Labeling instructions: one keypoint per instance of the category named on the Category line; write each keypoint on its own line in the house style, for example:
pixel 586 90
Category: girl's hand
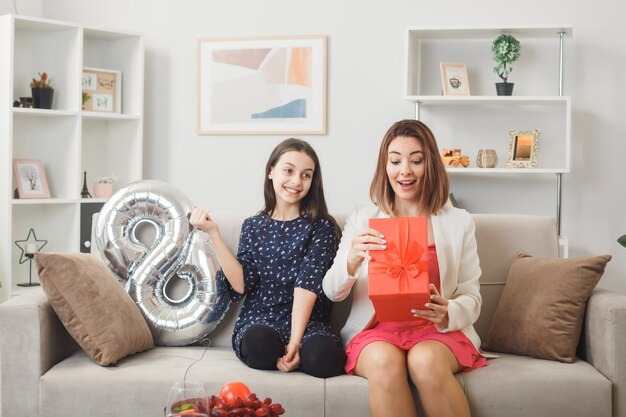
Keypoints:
pixel 291 360
pixel 437 309
pixel 201 219
pixel 362 242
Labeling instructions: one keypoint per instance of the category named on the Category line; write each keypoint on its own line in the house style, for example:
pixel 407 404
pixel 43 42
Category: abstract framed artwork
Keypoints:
pixel 262 85
pixel 454 80
pixel 30 177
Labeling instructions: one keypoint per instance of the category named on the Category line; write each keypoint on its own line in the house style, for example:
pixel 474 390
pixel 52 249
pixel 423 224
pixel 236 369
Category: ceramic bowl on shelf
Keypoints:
pixel 487 158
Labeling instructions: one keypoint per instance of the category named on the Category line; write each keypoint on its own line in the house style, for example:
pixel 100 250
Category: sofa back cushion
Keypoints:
pixel 500 238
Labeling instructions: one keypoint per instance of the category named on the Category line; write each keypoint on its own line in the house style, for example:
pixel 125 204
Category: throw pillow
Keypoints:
pixel 542 307
pixel 93 306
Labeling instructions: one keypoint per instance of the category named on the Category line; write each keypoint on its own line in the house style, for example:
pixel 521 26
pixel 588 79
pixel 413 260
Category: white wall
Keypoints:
pixel 22 7
pixel 365 89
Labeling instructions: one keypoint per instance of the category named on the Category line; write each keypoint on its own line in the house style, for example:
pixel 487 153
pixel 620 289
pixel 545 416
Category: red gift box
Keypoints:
pixel 398 276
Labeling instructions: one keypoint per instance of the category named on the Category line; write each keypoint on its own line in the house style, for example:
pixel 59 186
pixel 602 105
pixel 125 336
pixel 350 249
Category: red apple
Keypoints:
pixel 229 392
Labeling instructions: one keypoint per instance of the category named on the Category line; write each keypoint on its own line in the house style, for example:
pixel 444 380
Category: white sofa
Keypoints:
pixel 43 373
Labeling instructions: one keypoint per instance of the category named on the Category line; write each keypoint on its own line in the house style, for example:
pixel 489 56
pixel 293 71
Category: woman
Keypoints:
pixel 410 180
pixel 284 252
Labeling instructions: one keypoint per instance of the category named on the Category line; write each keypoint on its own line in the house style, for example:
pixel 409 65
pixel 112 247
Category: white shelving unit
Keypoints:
pixel 66 139
pixel 483 119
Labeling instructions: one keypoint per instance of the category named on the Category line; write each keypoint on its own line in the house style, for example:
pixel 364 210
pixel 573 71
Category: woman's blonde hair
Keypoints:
pixel 434 185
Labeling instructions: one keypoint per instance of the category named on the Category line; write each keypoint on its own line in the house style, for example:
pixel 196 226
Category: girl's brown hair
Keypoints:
pixel 313 205
pixel 434 186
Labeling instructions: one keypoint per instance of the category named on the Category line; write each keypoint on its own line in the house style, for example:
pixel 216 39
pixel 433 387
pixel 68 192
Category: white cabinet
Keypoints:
pixel 65 139
pixel 483 120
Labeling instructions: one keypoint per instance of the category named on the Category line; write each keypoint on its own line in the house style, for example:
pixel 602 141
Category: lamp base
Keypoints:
pixel 29 284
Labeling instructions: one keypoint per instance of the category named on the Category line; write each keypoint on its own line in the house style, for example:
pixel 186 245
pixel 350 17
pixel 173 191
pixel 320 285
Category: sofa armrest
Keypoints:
pixel 604 341
pixel 33 340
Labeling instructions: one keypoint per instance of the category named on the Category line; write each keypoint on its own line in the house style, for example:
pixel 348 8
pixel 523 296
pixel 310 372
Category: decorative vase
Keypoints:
pixel 487 158
pixel 42 97
pixel 102 190
pixel 504 89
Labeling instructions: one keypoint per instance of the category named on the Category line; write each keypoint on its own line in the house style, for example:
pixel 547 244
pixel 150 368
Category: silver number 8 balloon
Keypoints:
pixel 150 270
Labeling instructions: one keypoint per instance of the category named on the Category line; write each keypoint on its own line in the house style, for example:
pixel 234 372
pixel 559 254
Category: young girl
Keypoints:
pixel 284 252
pixel 410 180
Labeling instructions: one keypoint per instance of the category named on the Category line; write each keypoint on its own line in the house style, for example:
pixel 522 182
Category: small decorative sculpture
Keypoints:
pixel 453 158
pixel 85 191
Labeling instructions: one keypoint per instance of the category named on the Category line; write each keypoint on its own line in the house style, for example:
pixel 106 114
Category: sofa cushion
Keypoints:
pixel 139 385
pixel 93 306
pixel 542 306
pixel 508 386
pixel 517 386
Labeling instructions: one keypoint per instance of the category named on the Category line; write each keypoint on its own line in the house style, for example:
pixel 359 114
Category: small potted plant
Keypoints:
pixel 42 92
pixel 86 98
pixel 622 240
pixel 103 187
pixel 506 50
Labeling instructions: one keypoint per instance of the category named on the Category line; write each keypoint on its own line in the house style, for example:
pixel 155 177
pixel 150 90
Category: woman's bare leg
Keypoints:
pixel 385 367
pixel 432 367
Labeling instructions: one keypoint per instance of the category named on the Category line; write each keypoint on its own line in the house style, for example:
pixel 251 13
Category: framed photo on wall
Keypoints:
pixel 30 178
pixel 523 147
pixel 102 90
pixel 454 81
pixel 262 85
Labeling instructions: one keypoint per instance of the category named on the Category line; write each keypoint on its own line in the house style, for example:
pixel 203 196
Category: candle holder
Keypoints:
pixel 29 247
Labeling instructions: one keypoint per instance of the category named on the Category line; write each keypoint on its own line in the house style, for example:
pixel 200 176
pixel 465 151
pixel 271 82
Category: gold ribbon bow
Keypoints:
pixel 402 262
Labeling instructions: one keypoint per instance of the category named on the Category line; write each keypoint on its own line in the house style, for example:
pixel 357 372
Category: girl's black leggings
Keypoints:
pixel 320 356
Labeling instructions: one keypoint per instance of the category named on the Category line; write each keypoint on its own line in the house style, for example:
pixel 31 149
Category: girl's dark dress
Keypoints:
pixel 276 257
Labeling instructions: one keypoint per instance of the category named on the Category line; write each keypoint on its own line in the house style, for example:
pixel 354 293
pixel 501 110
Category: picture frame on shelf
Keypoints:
pixel 454 80
pixel 262 85
pixel 30 177
pixel 101 90
pixel 523 148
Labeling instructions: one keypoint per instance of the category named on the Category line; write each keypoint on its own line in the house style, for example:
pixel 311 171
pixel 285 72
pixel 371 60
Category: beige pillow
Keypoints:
pixel 93 306
pixel 541 310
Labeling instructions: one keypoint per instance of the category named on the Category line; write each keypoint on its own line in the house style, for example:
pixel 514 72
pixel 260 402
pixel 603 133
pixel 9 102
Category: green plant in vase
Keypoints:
pixel 107 179
pixel 86 98
pixel 622 240
pixel 42 92
pixel 506 50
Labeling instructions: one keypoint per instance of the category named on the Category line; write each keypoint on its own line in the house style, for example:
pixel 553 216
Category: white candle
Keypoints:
pixel 30 248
